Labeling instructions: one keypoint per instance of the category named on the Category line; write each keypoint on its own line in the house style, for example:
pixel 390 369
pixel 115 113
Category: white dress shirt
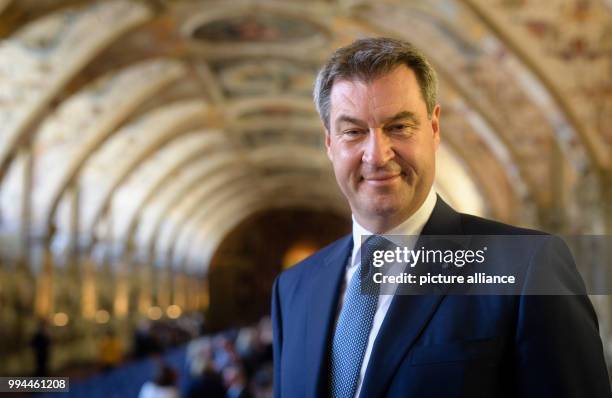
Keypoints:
pixel 412 226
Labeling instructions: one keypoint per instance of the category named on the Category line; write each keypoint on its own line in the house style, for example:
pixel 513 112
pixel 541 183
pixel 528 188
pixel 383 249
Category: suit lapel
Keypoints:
pixel 321 316
pixel 407 315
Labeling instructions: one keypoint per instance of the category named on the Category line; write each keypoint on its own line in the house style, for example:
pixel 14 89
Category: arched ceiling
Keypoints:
pixel 172 121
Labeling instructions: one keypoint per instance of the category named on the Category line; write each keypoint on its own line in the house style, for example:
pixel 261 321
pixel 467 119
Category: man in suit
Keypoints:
pixel 377 101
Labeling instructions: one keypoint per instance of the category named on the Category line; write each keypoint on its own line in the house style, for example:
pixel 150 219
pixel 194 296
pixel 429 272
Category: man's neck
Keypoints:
pixel 392 224
pixel 383 225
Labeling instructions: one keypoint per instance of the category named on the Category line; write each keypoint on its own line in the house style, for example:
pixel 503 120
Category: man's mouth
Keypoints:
pixel 382 179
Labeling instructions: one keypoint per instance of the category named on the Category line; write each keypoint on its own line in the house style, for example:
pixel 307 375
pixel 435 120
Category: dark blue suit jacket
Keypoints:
pixel 442 345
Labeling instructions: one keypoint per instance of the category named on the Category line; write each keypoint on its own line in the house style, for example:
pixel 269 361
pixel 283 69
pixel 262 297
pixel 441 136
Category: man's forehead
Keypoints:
pixel 388 92
pixel 400 73
pixel 349 104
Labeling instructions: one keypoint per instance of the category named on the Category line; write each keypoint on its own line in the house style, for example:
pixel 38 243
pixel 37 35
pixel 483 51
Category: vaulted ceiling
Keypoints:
pixel 158 126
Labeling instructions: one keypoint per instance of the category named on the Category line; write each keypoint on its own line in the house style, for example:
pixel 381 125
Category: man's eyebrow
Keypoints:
pixel 348 119
pixel 402 116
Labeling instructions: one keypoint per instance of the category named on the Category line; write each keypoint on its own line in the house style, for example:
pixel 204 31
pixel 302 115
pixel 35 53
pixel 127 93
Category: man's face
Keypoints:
pixel 382 146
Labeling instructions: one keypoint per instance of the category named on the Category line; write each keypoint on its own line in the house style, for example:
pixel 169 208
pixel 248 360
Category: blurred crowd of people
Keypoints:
pixel 235 363
pixel 154 337
pixel 232 364
pixel 149 338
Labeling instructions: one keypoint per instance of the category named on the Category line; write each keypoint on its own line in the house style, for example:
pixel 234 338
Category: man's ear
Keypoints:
pixel 328 144
pixel 435 125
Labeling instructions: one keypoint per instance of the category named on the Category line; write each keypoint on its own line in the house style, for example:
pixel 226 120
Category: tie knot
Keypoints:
pixel 371 246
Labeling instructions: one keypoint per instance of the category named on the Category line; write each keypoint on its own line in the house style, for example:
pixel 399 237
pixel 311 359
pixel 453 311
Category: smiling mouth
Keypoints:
pixel 382 179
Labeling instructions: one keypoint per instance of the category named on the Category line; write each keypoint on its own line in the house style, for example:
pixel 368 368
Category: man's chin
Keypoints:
pixel 385 210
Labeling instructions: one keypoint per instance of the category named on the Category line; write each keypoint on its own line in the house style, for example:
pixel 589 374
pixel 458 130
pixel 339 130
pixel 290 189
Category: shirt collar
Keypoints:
pixel 413 225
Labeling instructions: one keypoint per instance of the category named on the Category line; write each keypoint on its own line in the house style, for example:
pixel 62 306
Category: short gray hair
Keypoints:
pixel 368 59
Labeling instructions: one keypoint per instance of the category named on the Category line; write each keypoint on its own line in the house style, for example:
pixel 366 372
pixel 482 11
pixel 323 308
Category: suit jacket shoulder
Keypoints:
pixel 482 226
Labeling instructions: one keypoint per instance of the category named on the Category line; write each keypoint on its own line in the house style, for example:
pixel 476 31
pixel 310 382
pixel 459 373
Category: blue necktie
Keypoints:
pixel 354 323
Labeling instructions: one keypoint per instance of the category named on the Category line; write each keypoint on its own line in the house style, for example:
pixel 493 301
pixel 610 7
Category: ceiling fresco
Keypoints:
pixel 256 27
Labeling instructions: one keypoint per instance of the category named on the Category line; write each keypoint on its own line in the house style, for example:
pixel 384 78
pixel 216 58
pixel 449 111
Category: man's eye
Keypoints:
pixel 398 127
pixel 352 133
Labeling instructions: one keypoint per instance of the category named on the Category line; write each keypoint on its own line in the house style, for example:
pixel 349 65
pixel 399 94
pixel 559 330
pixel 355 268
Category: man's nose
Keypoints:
pixel 378 148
